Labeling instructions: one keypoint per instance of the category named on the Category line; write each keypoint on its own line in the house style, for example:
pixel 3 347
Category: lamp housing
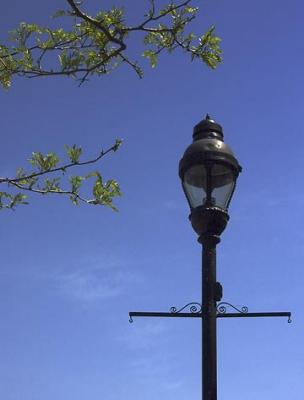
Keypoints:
pixel 208 171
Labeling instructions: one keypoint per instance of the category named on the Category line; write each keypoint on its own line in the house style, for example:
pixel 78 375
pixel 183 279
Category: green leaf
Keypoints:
pixel 74 200
pixel 10 201
pixel 76 182
pixel 59 13
pixel 44 163
pixel 74 153
pixel 51 185
pixel 105 192
pixel 151 56
pixel 118 143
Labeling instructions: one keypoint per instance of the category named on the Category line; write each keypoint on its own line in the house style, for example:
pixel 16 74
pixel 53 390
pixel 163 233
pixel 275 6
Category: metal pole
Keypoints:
pixel 209 362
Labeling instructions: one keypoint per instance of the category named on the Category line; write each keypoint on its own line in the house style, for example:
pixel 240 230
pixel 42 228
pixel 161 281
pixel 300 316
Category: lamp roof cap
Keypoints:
pixel 208 129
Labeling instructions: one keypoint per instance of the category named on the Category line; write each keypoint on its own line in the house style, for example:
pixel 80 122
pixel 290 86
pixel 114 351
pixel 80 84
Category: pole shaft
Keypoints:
pixel 209 362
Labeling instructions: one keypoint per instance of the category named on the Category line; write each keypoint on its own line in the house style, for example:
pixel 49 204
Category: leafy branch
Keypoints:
pixel 39 180
pixel 92 45
pixel 98 44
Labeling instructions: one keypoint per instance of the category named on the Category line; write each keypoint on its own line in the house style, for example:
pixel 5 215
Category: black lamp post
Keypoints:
pixel 208 171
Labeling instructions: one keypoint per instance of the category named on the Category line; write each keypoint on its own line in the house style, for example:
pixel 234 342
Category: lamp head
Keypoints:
pixel 208 171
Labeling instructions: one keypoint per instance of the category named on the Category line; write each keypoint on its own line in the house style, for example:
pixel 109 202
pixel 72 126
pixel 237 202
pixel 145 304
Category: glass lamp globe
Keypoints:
pixel 209 185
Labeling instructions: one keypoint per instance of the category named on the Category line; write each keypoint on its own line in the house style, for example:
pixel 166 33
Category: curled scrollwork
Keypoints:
pixel 222 308
pixel 193 308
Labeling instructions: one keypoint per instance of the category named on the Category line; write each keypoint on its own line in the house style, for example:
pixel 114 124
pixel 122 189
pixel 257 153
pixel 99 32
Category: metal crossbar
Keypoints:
pixel 201 314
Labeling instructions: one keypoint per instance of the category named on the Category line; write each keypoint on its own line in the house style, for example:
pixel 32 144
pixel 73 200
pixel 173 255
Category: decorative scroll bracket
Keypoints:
pixel 195 308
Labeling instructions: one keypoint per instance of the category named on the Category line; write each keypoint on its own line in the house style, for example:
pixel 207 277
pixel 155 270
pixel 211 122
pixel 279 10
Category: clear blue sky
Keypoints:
pixel 69 276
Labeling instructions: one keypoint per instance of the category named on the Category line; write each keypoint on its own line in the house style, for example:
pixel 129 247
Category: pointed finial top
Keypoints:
pixel 207 128
pixel 208 118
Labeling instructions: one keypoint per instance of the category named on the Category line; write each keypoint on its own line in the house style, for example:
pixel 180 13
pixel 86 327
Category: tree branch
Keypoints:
pixel 96 23
pixel 156 18
pixel 103 191
pixel 13 181
pixel 53 191
pixel 95 45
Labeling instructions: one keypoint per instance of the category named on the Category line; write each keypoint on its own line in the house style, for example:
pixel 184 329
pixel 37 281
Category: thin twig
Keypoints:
pixel 132 64
pixel 44 192
pixel 153 18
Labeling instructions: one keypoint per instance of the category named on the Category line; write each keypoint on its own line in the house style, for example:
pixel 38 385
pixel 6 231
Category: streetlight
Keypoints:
pixel 208 171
